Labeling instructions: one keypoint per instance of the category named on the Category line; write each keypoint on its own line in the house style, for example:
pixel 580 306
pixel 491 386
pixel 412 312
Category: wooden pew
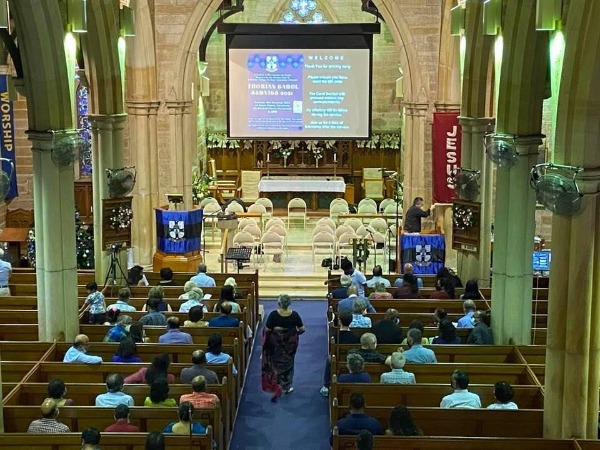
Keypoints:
pixel 539 320
pixel 78 418
pixel 445 443
pixel 21 275
pixel 515 374
pixel 109 441
pixel 493 354
pixel 427 394
pixel 15 371
pixel 85 393
pixel 20 302
pixel 23 351
pixel 524 423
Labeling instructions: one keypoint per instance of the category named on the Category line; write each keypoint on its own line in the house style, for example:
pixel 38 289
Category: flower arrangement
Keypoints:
pixel 120 218
pixel 200 184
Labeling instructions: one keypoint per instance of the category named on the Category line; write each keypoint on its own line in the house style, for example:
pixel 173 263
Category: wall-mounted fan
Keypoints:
pixel 6 177
pixel 466 183
pixel 556 188
pixel 120 181
pixel 501 150
pixel 66 150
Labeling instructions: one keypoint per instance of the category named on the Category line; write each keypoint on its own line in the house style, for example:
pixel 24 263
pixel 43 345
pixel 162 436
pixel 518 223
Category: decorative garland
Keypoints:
pixel 463 217
pixel 120 218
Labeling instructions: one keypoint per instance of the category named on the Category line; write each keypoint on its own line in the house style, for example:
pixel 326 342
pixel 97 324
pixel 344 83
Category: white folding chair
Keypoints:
pixel 206 200
pixel 268 204
pixel 337 209
pixel 385 202
pixel 234 207
pixel 343 229
pixel 367 201
pixel 243 223
pixel 322 229
pixel 323 245
pixel 245 239
pixel 297 210
pixel 210 212
pixel 345 244
pixel 274 221
pixel 327 221
pixel 272 248
pixel 258 209
pixel 354 222
pixel 379 224
pixel 280 230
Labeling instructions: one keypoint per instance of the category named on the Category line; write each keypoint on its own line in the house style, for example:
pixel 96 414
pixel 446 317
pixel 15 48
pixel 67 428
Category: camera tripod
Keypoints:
pixel 111 273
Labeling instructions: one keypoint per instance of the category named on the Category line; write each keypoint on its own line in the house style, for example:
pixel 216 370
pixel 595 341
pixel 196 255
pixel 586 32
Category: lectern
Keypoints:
pixel 178 240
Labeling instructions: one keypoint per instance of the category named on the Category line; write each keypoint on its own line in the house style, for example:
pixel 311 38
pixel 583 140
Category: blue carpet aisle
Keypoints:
pixel 300 419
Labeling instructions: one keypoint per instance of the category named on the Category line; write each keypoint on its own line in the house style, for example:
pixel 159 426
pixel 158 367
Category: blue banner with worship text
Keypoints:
pixel 426 252
pixel 7 141
pixel 178 231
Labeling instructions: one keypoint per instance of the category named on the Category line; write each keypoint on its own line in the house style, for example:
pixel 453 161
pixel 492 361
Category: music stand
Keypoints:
pixel 239 255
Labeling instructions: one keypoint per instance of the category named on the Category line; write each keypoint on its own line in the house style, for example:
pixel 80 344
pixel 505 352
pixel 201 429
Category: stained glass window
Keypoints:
pixel 303 12
pixel 85 129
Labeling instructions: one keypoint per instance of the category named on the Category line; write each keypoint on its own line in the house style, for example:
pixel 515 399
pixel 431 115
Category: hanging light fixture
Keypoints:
pixel 4 16
pixel 127 18
pixel 492 17
pixel 457 20
pixel 547 14
pixel 77 16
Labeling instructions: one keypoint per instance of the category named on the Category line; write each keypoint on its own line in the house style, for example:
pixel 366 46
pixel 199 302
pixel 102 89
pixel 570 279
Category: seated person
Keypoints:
pixel 158 369
pixel 78 352
pixel 417 353
pixel 115 395
pixel 461 398
pixel 438 315
pixel 186 424
pixel 348 303
pixel 187 287
pixel 90 438
pixel 419 326
pixel 154 317
pixel 122 303
pixel 408 268
pixel 345 334
pixel 341 291
pixel 126 352
pixel 120 330
pixel 194 298
pixel 447 334
pixel 368 344
pixel 378 278
pixel 158 292
pixel 504 395
pixel 224 319
pixel 357 420
pixel 472 291
pixel 388 330
pixel 155 441
pixel 380 293
pixel 231 282
pixel 227 295
pixel 482 333
pixel 364 440
pixel 356 368
pixel 137 333
pixel 466 321
pixel 136 277
pixel 202 279
pixel 359 320
pixel 198 368
pixel 195 316
pixel 409 288
pixel 174 335
pixel 214 352
pixel 402 424
pixel 122 424
pixel 443 290
pixel 48 422
pixel 159 394
pixel 166 277
pixel 199 397
pixel 397 375
pixel 57 391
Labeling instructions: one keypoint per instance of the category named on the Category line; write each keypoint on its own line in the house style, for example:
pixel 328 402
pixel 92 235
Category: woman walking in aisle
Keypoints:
pixel 280 342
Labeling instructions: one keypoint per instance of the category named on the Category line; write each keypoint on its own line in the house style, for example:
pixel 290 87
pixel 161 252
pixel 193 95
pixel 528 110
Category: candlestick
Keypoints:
pixel 268 157
pixel 335 157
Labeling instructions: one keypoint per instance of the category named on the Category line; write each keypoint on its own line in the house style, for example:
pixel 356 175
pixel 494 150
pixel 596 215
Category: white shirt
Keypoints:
pixel 5 270
pixel 461 399
pixel 509 405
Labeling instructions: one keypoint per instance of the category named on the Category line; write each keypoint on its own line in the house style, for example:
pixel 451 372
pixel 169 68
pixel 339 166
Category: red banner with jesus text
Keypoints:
pixel 447 135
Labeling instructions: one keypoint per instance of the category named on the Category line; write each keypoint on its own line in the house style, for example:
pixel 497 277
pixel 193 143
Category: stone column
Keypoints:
pixel 56 262
pixel 477 265
pixel 414 152
pixel 107 153
pixel 181 126
pixel 144 155
pixel 513 246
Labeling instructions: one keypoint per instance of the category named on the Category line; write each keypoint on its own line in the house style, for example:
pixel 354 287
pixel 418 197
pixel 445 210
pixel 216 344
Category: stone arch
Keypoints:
pixel 41 42
pixel 102 60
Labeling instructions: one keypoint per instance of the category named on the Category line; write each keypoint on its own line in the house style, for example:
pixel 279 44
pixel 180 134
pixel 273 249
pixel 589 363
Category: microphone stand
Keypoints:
pixel 374 248
pixel 397 188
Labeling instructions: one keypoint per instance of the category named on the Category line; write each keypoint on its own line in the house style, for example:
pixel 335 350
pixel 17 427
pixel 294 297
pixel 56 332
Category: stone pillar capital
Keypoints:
pixel 416 108
pixel 44 140
pixel 447 106
pixel 528 145
pixel 179 107
pixel 475 125
pixel 143 108
pixel 108 122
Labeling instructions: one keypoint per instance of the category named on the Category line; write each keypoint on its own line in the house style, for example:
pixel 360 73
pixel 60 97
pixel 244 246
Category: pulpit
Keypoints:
pixel 178 240
pixel 426 252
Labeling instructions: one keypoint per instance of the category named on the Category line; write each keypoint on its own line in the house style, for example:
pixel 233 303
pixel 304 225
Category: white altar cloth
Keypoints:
pixel 301 184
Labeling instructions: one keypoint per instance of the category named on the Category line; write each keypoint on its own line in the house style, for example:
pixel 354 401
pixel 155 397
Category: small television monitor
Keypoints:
pixel 541 261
